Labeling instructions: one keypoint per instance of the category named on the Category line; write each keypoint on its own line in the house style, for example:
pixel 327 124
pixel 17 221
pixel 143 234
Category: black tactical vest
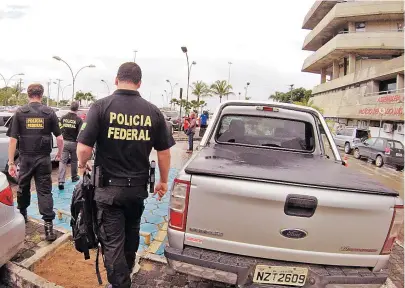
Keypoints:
pixel 35 130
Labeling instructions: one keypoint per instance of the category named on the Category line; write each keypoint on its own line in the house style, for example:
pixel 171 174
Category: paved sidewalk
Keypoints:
pixel 34 240
pixel 396 266
pixel 154 218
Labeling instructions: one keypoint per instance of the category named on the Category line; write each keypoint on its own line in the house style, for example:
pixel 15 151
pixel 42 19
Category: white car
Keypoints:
pixel 12 225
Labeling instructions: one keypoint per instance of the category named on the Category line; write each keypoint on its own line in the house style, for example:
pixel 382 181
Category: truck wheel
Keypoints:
pixel 400 168
pixel 347 148
pixel 10 178
pixel 357 153
pixel 379 162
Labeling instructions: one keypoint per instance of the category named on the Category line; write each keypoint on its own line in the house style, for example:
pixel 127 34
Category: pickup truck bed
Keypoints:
pixel 269 165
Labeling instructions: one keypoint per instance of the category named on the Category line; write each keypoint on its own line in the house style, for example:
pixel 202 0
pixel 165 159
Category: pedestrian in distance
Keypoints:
pixel 191 131
pixel 70 125
pixel 124 127
pixel 33 125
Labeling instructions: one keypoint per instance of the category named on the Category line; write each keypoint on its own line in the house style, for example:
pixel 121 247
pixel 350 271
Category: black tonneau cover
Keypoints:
pixel 270 165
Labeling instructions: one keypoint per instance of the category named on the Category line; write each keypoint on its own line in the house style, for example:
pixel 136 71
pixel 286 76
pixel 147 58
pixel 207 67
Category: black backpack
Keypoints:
pixel 83 220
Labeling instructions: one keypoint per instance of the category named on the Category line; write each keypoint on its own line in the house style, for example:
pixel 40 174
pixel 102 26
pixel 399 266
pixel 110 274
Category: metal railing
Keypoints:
pixel 379 31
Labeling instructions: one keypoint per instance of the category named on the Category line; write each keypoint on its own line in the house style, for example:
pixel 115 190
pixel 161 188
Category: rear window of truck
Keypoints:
pixel 266 132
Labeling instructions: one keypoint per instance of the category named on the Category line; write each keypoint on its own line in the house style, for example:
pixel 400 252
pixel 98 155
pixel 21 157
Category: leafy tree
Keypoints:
pixel 308 102
pixel 296 95
pixel 221 88
pixel 63 103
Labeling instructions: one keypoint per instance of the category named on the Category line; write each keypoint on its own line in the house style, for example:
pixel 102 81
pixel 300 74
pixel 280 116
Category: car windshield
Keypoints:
pixel 360 134
pixel 266 132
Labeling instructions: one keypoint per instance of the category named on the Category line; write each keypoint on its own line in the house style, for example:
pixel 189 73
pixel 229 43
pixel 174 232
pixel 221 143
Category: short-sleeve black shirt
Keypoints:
pixel 70 125
pixel 125 127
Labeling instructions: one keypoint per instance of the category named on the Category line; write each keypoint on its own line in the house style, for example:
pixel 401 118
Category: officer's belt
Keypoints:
pixel 125 182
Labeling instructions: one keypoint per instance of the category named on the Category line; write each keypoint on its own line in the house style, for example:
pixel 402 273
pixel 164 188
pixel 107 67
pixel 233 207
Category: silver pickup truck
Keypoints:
pixel 266 202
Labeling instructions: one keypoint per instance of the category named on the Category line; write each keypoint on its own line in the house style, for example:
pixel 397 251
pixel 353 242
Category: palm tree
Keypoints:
pixel 174 102
pixel 200 89
pixel 308 102
pixel 221 88
pixel 89 97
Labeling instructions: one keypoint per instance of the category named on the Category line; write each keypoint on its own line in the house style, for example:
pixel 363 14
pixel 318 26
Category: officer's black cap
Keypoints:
pixel 35 90
pixel 129 72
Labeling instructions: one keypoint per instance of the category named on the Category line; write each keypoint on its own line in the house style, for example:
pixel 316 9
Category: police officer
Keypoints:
pixel 70 125
pixel 32 125
pixel 125 127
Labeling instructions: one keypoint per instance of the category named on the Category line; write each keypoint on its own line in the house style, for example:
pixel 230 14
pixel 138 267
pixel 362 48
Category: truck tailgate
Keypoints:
pixel 297 223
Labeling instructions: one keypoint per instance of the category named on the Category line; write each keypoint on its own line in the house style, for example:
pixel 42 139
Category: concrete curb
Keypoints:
pixel 45 251
pixel 154 258
pixel 17 276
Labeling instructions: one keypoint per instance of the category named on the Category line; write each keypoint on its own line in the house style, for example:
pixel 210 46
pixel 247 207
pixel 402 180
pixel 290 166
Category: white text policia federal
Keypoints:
pixel 131 134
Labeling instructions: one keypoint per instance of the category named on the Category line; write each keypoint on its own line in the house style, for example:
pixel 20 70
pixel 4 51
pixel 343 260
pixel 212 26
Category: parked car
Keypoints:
pixel 263 203
pixel 4 140
pixel 349 137
pixel 12 225
pixel 173 117
pixel 381 151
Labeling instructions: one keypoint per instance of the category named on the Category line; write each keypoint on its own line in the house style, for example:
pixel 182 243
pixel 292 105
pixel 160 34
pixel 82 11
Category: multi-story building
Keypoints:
pixel 359 53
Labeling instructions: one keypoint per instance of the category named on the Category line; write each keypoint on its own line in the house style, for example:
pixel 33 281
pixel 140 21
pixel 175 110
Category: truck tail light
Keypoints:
pixel 387 150
pixel 6 196
pixel 396 223
pixel 179 204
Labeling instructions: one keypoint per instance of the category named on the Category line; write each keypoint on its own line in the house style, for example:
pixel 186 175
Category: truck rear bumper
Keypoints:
pixel 236 269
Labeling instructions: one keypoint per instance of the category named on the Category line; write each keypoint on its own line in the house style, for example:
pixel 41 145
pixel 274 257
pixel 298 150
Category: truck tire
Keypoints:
pixel 347 148
pixel 356 153
pixel 400 168
pixel 379 162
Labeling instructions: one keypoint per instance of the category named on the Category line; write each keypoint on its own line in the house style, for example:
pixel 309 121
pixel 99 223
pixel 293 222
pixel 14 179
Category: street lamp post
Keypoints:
pixel 291 89
pixel 63 90
pixel 108 88
pixel 71 71
pixel 229 76
pixel 246 89
pixel 135 55
pixel 184 49
pixel 58 83
pixel 8 81
pixel 171 87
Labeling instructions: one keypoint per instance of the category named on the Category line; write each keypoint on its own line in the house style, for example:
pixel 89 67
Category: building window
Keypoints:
pixel 360 26
pixel 388 86
pixel 374 123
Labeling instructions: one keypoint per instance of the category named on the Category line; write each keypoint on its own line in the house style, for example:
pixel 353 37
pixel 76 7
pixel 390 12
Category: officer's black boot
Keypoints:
pixel 49 235
pixel 75 179
pixel 61 186
pixel 24 214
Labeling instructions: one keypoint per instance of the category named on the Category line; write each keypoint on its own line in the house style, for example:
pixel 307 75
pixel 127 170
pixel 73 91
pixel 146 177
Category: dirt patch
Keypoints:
pixel 67 267
pixel 34 240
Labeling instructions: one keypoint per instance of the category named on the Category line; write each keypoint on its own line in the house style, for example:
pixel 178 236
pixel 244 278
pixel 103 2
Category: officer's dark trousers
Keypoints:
pixel 39 167
pixel 119 224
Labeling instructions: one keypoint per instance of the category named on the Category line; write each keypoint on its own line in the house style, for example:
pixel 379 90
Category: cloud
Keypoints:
pixel 14 11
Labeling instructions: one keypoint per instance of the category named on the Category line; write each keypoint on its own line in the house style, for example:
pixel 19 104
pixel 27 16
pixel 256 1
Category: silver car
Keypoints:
pixel 349 137
pixel 12 226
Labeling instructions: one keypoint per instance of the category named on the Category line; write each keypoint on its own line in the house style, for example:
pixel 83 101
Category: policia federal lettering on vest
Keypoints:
pixel 125 127
pixel 32 126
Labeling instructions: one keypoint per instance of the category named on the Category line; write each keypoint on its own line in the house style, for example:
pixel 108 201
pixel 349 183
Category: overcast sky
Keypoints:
pixel 262 39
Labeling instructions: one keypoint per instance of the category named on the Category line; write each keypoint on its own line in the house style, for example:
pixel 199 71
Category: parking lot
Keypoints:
pixel 155 274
